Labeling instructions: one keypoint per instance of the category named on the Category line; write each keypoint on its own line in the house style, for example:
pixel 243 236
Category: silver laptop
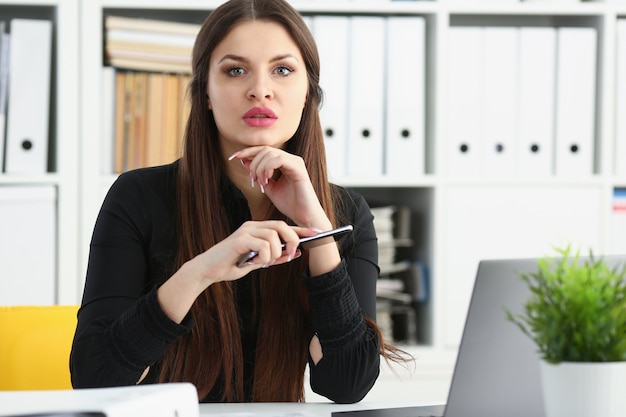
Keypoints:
pixel 497 368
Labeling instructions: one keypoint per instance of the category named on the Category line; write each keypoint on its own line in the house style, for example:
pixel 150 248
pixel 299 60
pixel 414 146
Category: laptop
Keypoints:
pixel 497 368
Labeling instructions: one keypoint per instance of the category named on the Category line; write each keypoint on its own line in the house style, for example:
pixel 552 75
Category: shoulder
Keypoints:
pixel 143 190
pixel 157 181
pixel 350 204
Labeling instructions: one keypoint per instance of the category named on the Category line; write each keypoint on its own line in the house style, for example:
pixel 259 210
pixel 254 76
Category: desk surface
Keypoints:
pixel 313 409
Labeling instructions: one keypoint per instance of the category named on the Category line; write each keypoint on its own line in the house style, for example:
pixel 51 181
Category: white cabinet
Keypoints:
pixel 54 226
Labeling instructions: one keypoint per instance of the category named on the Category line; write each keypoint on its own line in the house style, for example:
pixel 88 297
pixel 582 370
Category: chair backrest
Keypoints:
pixel 35 344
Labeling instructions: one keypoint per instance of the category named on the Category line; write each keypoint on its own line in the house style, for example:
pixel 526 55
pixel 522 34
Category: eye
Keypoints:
pixel 235 71
pixel 283 70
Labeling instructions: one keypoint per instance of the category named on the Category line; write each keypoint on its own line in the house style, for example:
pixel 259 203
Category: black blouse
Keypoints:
pixel 122 329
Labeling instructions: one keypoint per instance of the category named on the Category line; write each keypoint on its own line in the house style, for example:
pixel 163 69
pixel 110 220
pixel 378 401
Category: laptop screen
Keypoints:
pixel 497 369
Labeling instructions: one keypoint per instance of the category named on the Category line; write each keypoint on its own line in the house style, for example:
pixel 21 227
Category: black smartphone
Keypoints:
pixel 306 242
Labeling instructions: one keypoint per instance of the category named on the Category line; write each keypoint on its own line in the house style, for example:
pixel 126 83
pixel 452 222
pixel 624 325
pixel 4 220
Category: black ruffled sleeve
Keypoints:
pixel 121 326
pixel 340 300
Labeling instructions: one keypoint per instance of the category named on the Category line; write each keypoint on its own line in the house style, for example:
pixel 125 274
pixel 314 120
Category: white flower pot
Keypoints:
pixel 577 389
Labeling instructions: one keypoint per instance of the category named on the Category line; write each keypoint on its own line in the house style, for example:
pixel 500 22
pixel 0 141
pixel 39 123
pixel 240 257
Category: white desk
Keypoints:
pixel 316 409
pixel 426 382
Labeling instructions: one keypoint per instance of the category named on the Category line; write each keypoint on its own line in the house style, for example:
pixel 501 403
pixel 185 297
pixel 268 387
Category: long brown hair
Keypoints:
pixel 212 351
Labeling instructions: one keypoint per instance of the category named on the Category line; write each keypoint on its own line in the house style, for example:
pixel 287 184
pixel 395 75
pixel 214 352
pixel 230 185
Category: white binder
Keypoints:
pixel 29 96
pixel 537 55
pixel 500 75
pixel 332 37
pixel 27 245
pixel 464 101
pixel 620 100
pixel 405 97
pixel 4 76
pixel 366 96
pixel 575 100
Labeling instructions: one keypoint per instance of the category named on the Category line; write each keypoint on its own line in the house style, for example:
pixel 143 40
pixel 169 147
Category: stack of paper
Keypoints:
pixel 149 45
pixel 392 224
pixel 383 223
pixel 157 400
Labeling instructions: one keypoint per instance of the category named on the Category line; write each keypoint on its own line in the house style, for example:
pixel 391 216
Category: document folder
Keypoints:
pixel 332 37
pixel 405 104
pixel 537 57
pixel 620 99
pixel 575 107
pixel 500 74
pixel 464 100
pixel 29 96
pixel 366 95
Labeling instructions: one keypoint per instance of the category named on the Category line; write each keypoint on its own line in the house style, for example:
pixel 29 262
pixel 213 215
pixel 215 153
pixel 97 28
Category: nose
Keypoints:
pixel 260 88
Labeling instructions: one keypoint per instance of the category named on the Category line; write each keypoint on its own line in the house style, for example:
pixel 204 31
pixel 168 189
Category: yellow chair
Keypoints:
pixel 35 343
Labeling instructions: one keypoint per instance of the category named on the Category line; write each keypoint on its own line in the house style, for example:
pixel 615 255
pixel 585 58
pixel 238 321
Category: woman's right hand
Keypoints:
pixel 219 263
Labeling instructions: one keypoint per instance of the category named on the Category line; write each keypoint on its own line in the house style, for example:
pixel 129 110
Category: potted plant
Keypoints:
pixel 576 316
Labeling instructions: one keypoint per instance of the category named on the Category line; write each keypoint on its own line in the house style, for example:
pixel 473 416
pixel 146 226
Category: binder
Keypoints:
pixel 28 244
pixel 500 75
pixel 405 97
pixel 332 37
pixel 620 100
pixel 29 96
pixel 575 100
pixel 464 101
pixel 4 77
pixel 366 96
pixel 537 56
pixel 154 131
pixel 108 76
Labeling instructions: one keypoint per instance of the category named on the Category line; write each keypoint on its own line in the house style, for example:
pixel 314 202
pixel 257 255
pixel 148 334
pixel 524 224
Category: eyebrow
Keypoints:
pixel 242 59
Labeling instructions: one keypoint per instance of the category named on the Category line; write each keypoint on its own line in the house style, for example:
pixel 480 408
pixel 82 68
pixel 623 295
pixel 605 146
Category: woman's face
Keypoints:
pixel 257 86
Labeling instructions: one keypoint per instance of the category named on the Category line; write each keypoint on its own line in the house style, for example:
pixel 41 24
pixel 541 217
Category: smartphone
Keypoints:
pixel 306 242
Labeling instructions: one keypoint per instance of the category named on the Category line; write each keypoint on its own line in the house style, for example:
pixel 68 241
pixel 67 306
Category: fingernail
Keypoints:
pixel 262 188
pixel 294 255
pixel 251 180
pixel 233 156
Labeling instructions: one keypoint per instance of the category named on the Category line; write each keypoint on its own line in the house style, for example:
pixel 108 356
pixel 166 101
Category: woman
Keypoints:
pixel 164 299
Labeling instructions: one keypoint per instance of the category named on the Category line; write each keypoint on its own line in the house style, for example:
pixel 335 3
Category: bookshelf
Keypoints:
pixel 456 219
pixel 61 173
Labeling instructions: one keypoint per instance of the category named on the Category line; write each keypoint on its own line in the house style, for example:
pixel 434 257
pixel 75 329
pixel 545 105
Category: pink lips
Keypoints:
pixel 259 117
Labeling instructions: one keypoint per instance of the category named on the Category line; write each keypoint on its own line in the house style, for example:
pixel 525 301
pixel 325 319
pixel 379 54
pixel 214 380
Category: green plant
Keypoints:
pixel 577 309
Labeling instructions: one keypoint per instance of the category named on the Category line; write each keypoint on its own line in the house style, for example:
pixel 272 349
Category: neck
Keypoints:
pixel 257 201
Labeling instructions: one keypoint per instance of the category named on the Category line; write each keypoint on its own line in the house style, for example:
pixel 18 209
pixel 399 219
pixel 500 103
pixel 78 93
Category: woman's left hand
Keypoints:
pixel 291 192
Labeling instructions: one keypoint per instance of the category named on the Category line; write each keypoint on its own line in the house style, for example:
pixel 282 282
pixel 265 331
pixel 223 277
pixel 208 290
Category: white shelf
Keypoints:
pixel 64 14
pixel 82 184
